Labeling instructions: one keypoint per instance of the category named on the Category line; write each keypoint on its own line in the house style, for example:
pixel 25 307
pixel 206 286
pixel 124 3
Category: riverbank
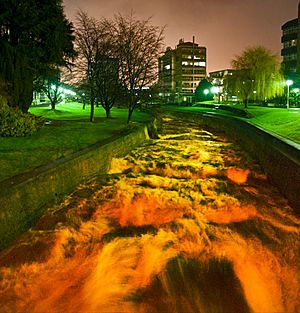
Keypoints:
pixel 67 130
pixel 280 121
pixel 25 197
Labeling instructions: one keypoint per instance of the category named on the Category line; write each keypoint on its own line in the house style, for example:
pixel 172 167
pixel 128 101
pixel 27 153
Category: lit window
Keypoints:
pixel 199 63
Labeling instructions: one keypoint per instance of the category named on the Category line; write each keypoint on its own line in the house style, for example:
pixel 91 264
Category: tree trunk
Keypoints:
pixel 27 95
pixel 131 107
pixel 52 105
pixel 130 111
pixel 107 112
pixel 92 105
pixel 92 111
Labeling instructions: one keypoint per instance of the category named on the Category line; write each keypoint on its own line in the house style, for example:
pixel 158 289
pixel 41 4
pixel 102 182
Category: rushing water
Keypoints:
pixel 186 223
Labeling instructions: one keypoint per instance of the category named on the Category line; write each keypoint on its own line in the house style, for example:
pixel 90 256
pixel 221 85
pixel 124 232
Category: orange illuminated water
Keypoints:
pixel 186 223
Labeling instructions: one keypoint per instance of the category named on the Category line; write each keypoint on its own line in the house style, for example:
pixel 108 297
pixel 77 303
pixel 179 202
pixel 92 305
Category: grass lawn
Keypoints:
pixel 68 132
pixel 281 121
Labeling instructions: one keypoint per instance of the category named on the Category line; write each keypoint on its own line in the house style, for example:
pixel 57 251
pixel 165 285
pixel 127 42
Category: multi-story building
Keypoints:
pixel 222 81
pixel 180 71
pixel 290 51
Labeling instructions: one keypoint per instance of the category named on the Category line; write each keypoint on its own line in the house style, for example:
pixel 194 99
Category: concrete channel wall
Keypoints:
pixel 24 198
pixel 279 157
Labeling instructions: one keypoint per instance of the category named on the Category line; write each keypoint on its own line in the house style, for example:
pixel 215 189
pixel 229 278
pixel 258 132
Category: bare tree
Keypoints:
pixel 108 85
pixel 96 68
pixel 139 45
pixel 89 38
pixel 107 82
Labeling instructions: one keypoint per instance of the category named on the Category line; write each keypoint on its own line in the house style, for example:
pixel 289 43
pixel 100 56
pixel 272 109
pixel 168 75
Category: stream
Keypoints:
pixel 185 223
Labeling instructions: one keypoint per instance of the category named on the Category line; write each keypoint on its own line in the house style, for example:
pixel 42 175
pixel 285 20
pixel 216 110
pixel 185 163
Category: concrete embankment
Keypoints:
pixel 24 198
pixel 279 157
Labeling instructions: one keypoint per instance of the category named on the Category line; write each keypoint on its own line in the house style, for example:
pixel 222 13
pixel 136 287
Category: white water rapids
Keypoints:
pixel 186 223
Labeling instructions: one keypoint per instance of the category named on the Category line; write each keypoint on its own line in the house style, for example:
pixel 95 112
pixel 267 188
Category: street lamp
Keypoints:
pixel 288 83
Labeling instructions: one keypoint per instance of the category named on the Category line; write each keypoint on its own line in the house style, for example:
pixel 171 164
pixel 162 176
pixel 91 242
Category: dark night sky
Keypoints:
pixel 225 27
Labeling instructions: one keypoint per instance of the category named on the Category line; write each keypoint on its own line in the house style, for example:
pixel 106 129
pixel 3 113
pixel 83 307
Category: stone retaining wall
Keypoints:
pixel 25 197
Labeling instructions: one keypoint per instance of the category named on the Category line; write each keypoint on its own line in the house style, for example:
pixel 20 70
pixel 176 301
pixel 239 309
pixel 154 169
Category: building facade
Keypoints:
pixel 180 71
pixel 223 82
pixel 290 51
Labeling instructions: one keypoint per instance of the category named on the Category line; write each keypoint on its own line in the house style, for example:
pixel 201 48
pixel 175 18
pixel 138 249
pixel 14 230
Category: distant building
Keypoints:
pixel 222 80
pixel 180 71
pixel 290 51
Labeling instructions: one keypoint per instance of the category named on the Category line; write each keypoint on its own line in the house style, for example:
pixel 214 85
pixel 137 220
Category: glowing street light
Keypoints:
pixel 206 91
pixel 215 89
pixel 288 83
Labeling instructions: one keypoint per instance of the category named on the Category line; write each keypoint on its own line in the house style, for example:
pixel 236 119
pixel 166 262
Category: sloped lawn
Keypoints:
pixel 68 130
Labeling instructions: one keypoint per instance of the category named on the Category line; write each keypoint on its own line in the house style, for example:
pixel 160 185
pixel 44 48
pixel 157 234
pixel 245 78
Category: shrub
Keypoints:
pixel 14 123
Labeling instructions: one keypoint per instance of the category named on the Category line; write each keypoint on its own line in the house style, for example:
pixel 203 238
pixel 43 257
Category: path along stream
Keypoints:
pixel 186 223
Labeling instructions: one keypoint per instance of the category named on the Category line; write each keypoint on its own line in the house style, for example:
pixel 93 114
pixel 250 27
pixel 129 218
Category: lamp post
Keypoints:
pixel 288 83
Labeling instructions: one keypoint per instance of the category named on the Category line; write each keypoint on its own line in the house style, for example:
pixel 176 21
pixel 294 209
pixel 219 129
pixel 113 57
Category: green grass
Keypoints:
pixel 70 131
pixel 283 122
pixel 69 111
